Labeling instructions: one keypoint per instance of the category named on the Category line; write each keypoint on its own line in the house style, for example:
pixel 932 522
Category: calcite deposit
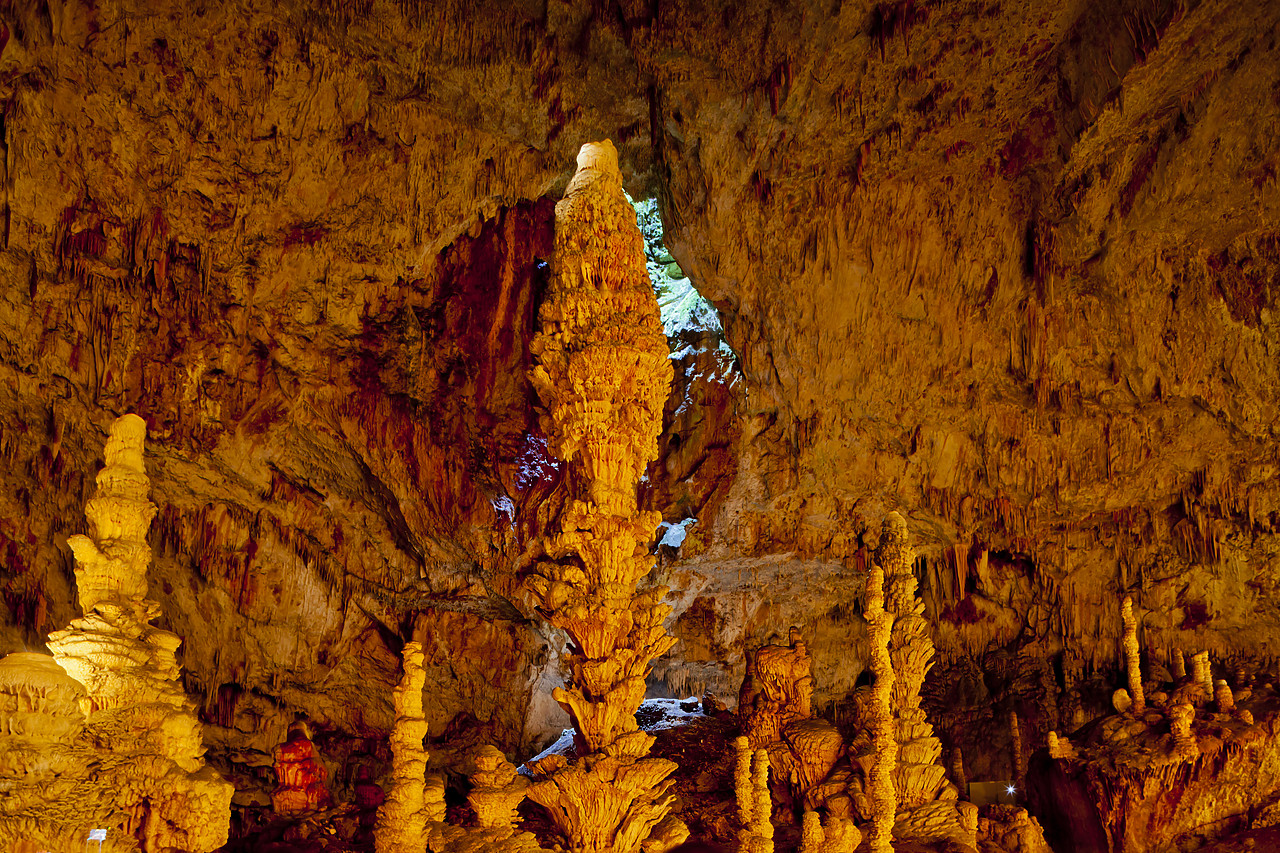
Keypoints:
pixel 603 376
pixel 120 739
pixel 882 792
pixel 1006 269
pixel 302 781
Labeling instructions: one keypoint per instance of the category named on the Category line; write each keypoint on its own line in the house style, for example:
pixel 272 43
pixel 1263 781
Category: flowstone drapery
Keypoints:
pixel 603 374
pixel 136 768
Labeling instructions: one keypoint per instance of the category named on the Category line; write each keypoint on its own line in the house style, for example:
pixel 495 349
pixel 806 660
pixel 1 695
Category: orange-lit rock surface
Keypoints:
pixel 1006 269
pixel 301 778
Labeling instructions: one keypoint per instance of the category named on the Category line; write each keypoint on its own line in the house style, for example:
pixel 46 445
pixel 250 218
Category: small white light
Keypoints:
pixel 1010 790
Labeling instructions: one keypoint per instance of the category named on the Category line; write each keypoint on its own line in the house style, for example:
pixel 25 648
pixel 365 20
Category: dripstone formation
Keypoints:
pixel 603 375
pixel 123 752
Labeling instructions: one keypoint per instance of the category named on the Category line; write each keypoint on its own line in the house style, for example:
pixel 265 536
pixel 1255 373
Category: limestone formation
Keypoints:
pixel 776 691
pixel 811 838
pixel 835 835
pixel 920 777
pixel 134 763
pixel 1223 697
pixel 1180 717
pixel 742 790
pixel 775 712
pixel 1132 660
pixel 39 702
pixel 881 793
pixel 1201 673
pixel 402 818
pixel 1060 747
pixel 1016 757
pixel 755 803
pixel 957 772
pixel 496 789
pixel 603 376
pixel 300 777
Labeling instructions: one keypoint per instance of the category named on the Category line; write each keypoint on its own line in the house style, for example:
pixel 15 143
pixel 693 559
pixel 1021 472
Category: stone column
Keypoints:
pixel 603 374
pixel 1132 659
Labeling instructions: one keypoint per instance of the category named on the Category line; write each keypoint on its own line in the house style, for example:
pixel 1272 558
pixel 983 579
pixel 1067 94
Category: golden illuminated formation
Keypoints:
pixel 402 819
pixel 136 768
pixel 1131 658
pixel 603 375
pixel 881 793
pixel 926 799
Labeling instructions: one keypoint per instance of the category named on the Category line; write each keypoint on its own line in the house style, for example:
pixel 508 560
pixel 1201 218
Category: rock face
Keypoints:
pixel 1007 269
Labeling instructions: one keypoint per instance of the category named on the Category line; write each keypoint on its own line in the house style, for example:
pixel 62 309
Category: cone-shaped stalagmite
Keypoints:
pixel 603 374
pixel 141 747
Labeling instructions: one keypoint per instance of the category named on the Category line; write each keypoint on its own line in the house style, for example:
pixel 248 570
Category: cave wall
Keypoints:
pixel 1007 268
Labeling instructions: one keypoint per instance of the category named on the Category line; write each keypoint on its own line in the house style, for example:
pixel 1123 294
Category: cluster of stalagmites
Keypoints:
pixel 1181 731
pixel 101 735
pixel 1143 709
pixel 890 778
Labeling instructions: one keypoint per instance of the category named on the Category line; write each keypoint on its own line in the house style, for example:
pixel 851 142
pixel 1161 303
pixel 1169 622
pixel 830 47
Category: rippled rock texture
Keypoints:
pixel 1009 269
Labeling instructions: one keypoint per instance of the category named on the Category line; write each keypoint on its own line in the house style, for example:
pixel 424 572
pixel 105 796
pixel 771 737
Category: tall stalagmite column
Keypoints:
pixel 604 376
pixel 884 799
pixel 1131 658
pixel 129 667
pixel 926 799
pixel 402 819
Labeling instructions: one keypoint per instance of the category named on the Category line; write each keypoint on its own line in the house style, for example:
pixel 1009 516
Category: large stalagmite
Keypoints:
pixel 137 769
pixel 603 375
pixel 926 799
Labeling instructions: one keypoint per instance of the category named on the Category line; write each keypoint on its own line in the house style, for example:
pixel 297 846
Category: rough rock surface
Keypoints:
pixel 1009 269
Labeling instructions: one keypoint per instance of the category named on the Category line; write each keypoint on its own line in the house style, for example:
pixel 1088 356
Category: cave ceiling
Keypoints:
pixel 1007 268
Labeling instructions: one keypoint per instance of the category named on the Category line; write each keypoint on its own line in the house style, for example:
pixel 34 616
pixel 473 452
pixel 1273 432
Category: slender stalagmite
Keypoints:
pixel 402 821
pixel 742 780
pixel 1201 673
pixel 1015 739
pixel 603 374
pixel 883 797
pixel 1132 660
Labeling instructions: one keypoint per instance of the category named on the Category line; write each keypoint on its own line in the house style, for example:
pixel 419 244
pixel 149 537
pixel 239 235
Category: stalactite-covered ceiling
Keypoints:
pixel 1009 269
